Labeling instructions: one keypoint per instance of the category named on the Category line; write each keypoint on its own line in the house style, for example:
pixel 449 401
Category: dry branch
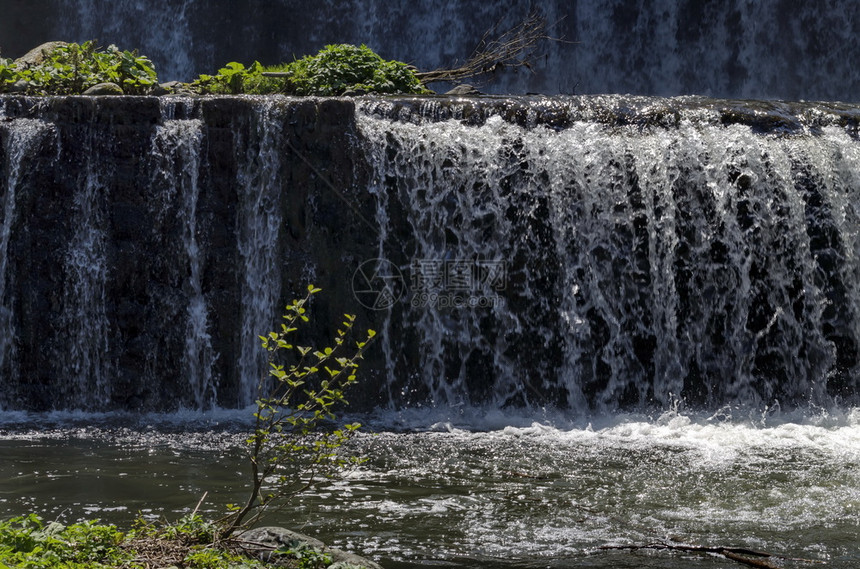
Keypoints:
pixel 516 47
pixel 749 557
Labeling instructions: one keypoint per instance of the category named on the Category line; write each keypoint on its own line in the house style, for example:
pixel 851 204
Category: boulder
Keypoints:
pixel 20 86
pixel 171 88
pixel 464 90
pixel 104 89
pixel 38 54
pixel 262 543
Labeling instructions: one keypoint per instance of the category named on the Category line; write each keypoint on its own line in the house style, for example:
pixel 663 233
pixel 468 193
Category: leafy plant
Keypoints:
pixel 230 79
pixel 8 73
pixel 339 68
pixel 210 558
pixel 335 70
pixel 26 541
pixel 191 528
pixel 73 68
pixel 305 557
pixel 291 449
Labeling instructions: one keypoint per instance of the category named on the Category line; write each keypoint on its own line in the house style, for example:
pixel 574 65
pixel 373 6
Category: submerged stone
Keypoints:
pixel 264 543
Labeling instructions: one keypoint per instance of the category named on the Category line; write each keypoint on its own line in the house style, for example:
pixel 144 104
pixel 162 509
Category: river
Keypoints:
pixel 480 488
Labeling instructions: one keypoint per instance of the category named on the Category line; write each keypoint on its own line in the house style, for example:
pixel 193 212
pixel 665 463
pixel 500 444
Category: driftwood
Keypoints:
pixel 748 557
pixel 516 47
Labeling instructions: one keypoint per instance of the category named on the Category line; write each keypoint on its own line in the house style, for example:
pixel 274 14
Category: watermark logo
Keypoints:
pixel 433 283
pixel 377 284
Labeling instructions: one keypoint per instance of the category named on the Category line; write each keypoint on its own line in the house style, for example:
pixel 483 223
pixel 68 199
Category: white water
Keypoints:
pixel 21 138
pixel 88 367
pixel 480 488
pixel 639 259
pixel 258 186
pixel 177 145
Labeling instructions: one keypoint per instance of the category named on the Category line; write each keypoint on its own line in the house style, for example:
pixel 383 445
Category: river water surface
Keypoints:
pixel 481 488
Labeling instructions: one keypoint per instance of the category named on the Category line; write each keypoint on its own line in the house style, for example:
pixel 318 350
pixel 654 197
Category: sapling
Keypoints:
pixel 292 447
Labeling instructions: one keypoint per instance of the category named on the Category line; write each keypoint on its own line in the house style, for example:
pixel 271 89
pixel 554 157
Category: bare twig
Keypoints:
pixel 516 47
pixel 200 503
pixel 749 557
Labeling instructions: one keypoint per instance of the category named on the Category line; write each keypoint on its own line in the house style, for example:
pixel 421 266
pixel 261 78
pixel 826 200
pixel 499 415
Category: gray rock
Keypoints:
pixel 346 560
pixel 38 54
pixel 20 86
pixel 464 90
pixel 261 543
pixel 171 88
pixel 104 89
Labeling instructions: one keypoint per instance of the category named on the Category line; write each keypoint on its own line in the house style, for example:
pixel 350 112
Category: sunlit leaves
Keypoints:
pixel 334 70
pixel 292 447
pixel 73 68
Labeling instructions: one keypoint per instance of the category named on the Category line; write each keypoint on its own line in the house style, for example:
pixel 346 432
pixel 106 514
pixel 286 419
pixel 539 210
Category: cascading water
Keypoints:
pixel 21 138
pixel 587 253
pixel 166 30
pixel 177 145
pixel 643 262
pixel 535 264
pixel 258 187
pixel 791 49
pixel 149 260
pixel 84 318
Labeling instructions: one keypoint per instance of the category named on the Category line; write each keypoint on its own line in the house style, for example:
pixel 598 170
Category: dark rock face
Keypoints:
pixel 102 270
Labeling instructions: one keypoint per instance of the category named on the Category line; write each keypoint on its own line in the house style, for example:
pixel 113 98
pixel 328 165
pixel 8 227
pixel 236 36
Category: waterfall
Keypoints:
pixel 177 154
pixel 643 261
pixel 583 253
pixel 259 189
pixel 792 49
pixel 158 30
pixel 20 140
pixel 85 352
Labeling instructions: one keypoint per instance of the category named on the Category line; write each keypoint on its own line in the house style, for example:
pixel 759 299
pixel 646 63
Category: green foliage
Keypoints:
pixel 217 558
pixel 189 529
pixel 27 542
pixel 290 449
pixel 230 80
pixel 72 69
pixel 335 70
pixel 8 74
pixel 343 67
pixel 305 557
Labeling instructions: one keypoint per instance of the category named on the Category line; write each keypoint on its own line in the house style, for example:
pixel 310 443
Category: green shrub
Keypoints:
pixel 340 68
pixel 72 69
pixel 8 74
pixel 335 70
pixel 27 541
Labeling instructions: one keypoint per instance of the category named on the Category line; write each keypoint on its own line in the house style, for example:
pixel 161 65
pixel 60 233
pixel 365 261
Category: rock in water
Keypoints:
pixel 262 542
pixel 464 90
